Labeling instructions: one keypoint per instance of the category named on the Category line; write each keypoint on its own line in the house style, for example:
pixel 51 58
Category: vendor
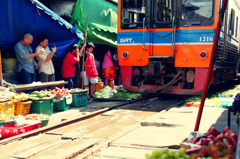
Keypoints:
pixel 46 69
pixel 25 58
pixel 69 64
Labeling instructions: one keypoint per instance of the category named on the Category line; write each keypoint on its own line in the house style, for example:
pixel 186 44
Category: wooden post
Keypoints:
pixel 85 38
pixel 1 76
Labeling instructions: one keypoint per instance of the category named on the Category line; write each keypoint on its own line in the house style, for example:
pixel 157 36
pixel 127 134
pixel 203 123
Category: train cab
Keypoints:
pixel 165 45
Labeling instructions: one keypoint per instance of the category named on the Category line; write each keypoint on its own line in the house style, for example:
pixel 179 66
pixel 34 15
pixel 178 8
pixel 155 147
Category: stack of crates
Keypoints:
pixel 79 99
pixel 42 107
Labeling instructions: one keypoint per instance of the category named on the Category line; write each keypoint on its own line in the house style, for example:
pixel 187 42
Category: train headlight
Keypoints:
pixel 203 55
pixel 125 54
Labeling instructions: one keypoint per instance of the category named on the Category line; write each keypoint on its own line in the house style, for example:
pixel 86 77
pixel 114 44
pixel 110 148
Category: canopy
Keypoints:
pixel 102 20
pixel 30 16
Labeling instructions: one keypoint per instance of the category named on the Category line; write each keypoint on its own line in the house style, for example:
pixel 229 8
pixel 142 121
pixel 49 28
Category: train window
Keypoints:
pixel 164 10
pixel 236 27
pixel 133 12
pixel 197 9
pixel 231 22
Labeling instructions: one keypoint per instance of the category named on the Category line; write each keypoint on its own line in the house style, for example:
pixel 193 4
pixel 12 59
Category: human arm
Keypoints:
pixel 50 56
pixel 81 50
pixel 36 65
pixel 41 51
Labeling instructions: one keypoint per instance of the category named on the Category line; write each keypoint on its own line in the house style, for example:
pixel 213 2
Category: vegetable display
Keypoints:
pixel 36 116
pixel 5 118
pixel 37 95
pixel 216 144
pixel 6 94
pixel 107 93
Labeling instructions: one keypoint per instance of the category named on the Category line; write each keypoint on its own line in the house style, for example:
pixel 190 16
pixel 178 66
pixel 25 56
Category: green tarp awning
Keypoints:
pixel 102 26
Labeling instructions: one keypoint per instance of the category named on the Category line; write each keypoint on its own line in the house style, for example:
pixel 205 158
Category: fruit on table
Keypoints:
pixel 166 153
pixel 60 92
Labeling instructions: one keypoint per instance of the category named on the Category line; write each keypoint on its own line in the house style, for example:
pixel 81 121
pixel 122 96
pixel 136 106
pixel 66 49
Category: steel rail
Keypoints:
pixel 62 124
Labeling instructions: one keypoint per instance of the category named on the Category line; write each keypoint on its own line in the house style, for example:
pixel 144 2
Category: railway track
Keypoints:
pixel 82 136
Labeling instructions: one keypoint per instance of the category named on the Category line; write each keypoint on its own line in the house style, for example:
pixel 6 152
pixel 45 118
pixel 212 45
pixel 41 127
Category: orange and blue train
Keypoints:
pixel 165 45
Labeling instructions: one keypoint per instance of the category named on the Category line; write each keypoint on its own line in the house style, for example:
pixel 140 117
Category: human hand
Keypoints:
pixel 41 51
pixel 54 49
pixel 36 65
pixel 84 45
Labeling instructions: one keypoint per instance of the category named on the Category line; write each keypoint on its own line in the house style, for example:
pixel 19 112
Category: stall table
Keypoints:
pixel 38 85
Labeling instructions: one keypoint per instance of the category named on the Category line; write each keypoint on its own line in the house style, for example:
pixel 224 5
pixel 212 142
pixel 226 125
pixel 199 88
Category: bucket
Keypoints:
pixel 9 65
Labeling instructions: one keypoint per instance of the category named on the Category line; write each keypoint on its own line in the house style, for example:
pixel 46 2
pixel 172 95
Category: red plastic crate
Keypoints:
pixel 9 130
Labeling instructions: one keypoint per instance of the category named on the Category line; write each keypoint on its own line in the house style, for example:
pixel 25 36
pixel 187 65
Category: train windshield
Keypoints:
pixel 197 9
pixel 133 12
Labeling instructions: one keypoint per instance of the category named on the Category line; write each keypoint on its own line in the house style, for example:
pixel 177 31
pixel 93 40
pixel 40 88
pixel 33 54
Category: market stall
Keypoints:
pixel 38 85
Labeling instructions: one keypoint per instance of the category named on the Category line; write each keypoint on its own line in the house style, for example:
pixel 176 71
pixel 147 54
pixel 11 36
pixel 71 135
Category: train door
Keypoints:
pixel 133 36
pixel 163 28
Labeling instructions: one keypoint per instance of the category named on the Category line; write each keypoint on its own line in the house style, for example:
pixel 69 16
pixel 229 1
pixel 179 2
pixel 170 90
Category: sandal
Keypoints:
pixel 89 99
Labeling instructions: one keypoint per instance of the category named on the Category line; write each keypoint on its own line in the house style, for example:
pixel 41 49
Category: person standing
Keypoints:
pixel 45 65
pixel 25 58
pixel 91 73
pixel 108 69
pixel 69 64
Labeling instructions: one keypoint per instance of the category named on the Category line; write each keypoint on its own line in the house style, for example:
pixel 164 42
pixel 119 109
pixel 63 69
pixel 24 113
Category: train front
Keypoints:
pixel 165 45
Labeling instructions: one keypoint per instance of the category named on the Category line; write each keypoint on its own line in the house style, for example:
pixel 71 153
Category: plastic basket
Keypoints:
pixel 22 108
pixel 7 107
pixel 79 99
pixel 9 129
pixel 60 104
pixel 42 107
pixel 1 124
pixel 44 122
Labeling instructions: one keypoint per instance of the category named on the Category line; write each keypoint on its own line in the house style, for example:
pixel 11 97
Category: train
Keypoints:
pixel 165 46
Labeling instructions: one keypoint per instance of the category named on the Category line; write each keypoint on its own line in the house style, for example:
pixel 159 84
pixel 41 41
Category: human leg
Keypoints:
pixel 70 82
pixel 43 77
pixel 106 82
pixel 112 84
pixel 26 77
pixel 88 95
pixel 86 83
pixel 93 88
pixel 51 77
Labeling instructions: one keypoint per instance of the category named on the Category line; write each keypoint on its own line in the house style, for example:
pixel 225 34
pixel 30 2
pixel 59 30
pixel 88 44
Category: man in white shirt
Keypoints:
pixel 45 65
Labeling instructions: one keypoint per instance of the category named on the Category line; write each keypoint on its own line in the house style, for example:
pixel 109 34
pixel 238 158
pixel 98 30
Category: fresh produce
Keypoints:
pixel 106 92
pixel 6 94
pixel 60 92
pixel 19 96
pixel 213 152
pixel 5 118
pixel 36 116
pixel 40 94
pixel 166 153
pixel 127 95
pixel 216 144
